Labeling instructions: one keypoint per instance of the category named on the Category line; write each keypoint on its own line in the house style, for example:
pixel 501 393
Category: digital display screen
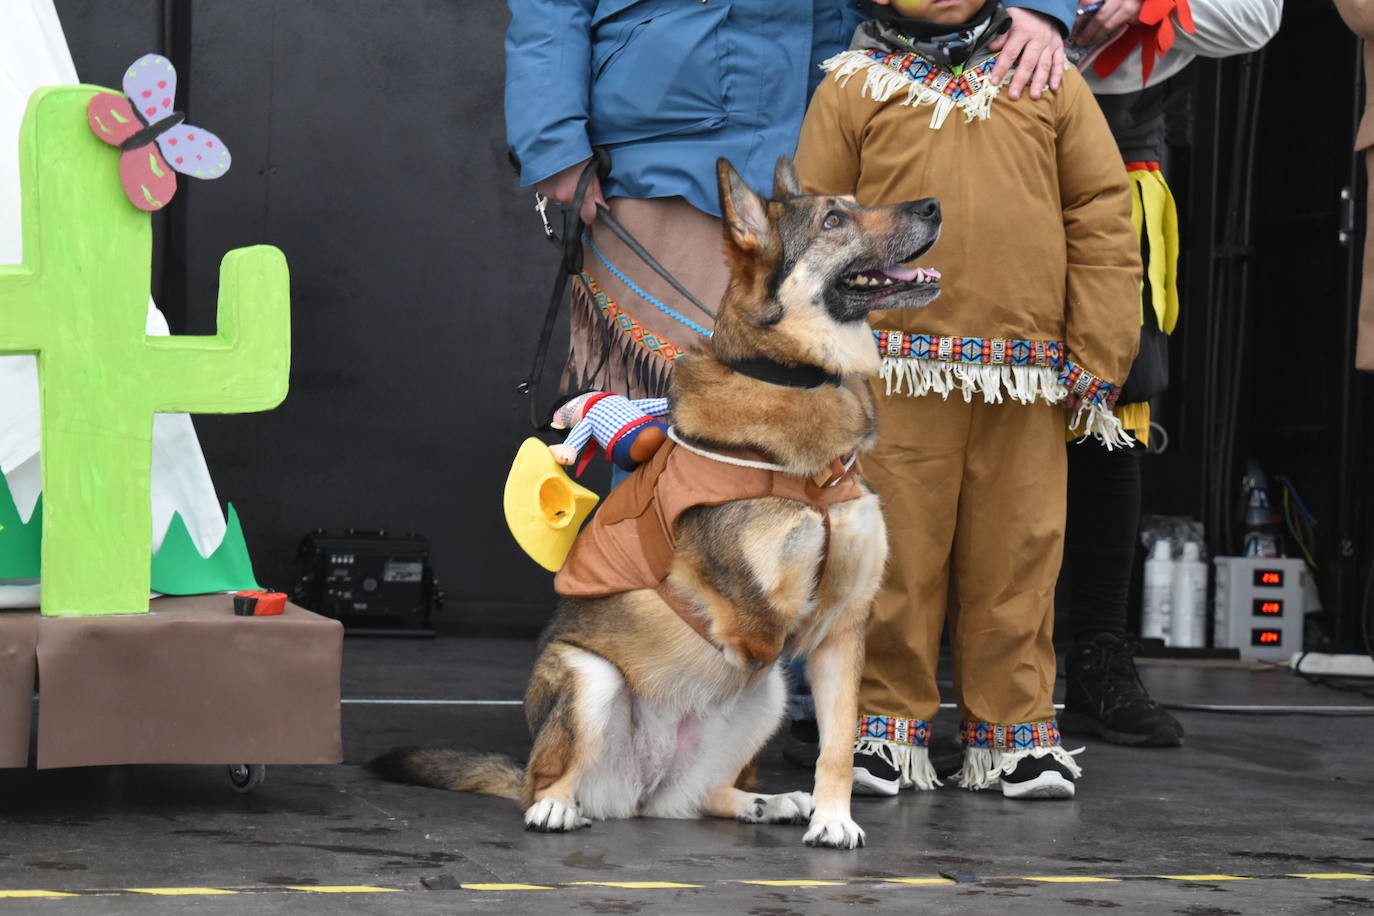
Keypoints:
pixel 1266 638
pixel 1269 608
pixel 1272 578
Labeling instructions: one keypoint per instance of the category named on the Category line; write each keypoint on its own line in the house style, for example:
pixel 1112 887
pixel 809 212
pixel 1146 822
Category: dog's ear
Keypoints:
pixel 744 213
pixel 785 181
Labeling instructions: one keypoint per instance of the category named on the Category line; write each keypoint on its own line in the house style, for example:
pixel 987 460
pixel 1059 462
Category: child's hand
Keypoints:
pixel 561 186
pixel 1035 46
pixel 1102 24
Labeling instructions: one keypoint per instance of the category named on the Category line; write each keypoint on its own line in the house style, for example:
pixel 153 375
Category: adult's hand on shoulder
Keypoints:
pixel 1035 45
pixel 1102 24
pixel 561 186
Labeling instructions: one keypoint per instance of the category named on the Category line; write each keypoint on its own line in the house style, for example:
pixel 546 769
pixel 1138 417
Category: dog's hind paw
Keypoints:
pixel 788 808
pixel 835 833
pixel 553 815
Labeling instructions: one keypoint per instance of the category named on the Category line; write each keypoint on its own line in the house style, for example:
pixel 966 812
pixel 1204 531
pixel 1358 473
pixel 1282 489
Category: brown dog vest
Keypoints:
pixel 629 542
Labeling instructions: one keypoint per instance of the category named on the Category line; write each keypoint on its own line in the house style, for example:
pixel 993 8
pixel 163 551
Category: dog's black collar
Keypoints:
pixel 803 376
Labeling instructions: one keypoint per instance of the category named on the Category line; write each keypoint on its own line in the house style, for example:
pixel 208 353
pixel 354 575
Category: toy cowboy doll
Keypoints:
pixel 626 429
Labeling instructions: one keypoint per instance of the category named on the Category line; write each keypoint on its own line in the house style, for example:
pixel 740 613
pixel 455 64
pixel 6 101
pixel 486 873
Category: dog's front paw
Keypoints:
pixel 835 832
pixel 553 815
pixel 788 808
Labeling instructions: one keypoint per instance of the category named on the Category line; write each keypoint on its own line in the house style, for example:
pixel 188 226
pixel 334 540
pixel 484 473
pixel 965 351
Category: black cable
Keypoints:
pixel 1211 368
pixel 1367 609
pixel 1275 711
pixel 1317 680
pixel 1329 682
pixel 1239 262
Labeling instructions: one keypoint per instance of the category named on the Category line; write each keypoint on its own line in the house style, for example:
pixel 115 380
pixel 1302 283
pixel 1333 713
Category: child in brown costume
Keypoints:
pixel 1040 309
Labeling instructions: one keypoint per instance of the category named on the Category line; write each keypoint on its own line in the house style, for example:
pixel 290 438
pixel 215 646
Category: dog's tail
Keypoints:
pixel 457 771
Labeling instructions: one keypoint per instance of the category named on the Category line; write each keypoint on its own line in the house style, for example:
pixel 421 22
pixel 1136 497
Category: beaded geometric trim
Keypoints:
pixel 916 68
pixel 995 351
pixel 894 730
pixel 654 343
pixel 1087 386
pixel 1010 737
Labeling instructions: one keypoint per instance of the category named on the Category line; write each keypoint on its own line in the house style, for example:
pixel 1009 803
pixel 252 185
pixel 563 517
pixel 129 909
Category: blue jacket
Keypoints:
pixel 667 86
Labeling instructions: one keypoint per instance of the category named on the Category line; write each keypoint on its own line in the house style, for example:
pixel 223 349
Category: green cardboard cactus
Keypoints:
pixel 79 303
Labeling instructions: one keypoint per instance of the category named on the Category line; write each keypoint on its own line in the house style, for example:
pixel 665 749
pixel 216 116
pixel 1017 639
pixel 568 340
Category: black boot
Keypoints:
pixel 1104 696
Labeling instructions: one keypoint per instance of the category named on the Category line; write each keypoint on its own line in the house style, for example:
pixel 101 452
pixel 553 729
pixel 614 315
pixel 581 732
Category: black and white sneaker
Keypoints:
pixel 1038 777
pixel 873 775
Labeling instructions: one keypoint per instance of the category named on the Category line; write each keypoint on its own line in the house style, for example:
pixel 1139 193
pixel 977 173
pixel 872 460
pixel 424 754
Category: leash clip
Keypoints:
pixel 541 204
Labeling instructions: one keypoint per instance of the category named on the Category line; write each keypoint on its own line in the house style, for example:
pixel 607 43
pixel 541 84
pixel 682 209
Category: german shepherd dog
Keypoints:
pixel 632 712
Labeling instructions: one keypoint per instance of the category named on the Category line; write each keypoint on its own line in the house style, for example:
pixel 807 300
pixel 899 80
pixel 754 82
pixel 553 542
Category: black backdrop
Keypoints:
pixel 1262 361
pixel 369 146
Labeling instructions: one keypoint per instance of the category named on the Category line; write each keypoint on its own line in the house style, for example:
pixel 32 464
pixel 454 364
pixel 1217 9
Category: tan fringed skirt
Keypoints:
pixel 621 341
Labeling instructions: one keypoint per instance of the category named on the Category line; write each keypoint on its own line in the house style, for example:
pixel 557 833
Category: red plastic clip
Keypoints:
pixel 259 604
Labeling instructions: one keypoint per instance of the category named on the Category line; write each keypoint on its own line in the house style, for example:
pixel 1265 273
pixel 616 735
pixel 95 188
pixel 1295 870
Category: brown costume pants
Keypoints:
pixel 973 494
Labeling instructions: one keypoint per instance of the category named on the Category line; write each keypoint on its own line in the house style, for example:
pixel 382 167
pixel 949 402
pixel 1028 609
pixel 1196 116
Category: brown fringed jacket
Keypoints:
pixel 1040 263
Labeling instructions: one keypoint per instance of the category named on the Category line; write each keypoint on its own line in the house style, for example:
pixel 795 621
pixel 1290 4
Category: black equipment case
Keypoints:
pixel 374 582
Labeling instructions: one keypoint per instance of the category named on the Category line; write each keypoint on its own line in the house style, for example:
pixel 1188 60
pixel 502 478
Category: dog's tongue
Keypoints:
pixel 904 274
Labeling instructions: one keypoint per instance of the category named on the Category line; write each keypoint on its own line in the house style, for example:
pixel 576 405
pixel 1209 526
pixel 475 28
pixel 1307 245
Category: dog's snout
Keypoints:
pixel 928 208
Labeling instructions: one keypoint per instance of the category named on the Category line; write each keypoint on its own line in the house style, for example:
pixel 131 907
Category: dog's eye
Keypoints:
pixel 832 221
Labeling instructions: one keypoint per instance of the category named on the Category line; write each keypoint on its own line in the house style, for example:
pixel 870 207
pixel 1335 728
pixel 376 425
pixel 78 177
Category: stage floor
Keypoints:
pixel 1228 824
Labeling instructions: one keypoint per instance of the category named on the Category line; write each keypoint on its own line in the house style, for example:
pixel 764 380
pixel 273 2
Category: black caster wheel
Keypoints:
pixel 245 777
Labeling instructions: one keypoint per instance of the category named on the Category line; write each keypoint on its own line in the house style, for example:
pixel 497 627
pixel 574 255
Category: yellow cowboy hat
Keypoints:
pixel 544 506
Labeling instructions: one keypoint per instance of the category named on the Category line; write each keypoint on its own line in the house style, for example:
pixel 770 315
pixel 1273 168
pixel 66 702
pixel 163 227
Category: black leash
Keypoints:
pixel 570 265
pixel 632 243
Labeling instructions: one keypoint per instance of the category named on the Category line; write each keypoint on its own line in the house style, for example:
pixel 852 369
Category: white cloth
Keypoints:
pixel 1224 28
pixel 33 53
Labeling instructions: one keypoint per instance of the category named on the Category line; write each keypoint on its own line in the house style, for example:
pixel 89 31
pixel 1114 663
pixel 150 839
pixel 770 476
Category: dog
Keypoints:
pixel 656 701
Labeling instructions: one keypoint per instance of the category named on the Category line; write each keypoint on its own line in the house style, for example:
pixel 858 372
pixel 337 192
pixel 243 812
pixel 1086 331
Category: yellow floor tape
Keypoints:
pixel 800 883
pixel 342 888
pixel 35 894
pixel 632 885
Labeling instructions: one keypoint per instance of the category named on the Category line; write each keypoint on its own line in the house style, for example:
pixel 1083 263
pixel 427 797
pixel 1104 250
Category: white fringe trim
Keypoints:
pixel 1023 384
pixel 882 83
pixel 912 762
pixel 1098 420
pixel 983 766
pixel 920 377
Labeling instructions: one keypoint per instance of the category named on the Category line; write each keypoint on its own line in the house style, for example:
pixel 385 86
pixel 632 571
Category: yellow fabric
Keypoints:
pixel 1134 417
pixel 1153 211
pixel 544 506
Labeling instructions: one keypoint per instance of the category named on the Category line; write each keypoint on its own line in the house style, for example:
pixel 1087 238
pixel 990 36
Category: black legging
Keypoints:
pixel 1099 542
